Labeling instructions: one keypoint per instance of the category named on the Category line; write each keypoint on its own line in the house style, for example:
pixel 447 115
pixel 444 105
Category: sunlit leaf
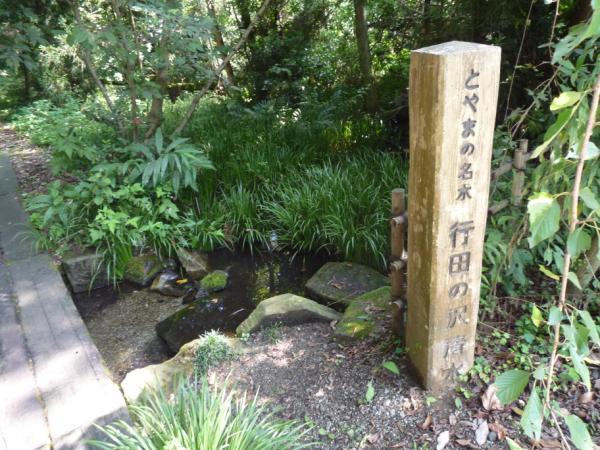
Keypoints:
pixel 572 276
pixel 544 216
pixel 391 366
pixel 511 385
pixel 536 316
pixel 549 273
pixel 370 392
pixel 579 433
pixel 532 418
pixel 555 316
pixel 564 100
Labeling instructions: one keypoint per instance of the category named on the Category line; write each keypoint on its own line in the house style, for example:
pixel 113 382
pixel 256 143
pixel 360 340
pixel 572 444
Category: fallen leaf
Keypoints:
pixel 550 444
pixel 587 397
pixel 499 430
pixel 443 439
pixel 465 443
pixel 517 411
pixel 332 324
pixel 452 419
pixel 482 432
pixel 427 423
pixel 181 281
pixel 489 399
pixel 372 438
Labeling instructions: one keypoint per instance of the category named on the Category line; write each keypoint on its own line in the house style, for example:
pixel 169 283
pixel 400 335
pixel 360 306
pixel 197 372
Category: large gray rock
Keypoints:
pixel 85 271
pixel 287 309
pixel 338 283
pixel 142 269
pixel 170 283
pixel 194 263
pixel 192 321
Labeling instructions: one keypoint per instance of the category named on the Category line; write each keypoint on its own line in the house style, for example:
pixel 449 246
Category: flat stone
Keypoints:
pixel 338 283
pixel 287 309
pixel 194 263
pixel 8 180
pixel 365 316
pixel 165 374
pixel 215 281
pixel 142 269
pixel 85 271
pixel 191 321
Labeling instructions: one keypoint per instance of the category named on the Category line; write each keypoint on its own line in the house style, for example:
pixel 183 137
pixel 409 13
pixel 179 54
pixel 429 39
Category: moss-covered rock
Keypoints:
pixel 142 269
pixel 337 283
pixel 287 309
pixel 163 375
pixel 365 316
pixel 194 263
pixel 215 281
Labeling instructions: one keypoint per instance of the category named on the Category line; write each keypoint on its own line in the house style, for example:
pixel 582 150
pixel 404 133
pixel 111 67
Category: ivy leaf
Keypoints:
pixel 391 366
pixel 579 241
pixel 531 421
pixel 536 316
pixel 544 216
pixel 589 198
pixel 370 392
pixel 591 325
pixel 564 100
pixel 511 385
pixel 579 433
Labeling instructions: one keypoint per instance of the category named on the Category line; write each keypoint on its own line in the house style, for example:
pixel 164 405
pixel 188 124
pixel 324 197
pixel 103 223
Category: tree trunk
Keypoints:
pixel 220 43
pixel 364 54
pixel 26 82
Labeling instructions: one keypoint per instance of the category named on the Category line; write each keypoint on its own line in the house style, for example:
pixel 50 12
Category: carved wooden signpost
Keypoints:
pixel 453 96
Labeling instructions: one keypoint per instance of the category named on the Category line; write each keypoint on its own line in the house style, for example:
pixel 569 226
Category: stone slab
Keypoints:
pixel 22 419
pixel 72 380
pixel 365 317
pixel 8 180
pixel 287 309
pixel 337 283
pixel 16 240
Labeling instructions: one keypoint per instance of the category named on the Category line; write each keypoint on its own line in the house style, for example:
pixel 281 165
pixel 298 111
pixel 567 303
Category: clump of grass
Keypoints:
pixel 212 350
pixel 197 416
pixel 273 333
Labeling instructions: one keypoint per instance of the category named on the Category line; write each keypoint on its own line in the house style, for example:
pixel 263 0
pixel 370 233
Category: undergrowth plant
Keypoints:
pixel 198 416
pixel 563 222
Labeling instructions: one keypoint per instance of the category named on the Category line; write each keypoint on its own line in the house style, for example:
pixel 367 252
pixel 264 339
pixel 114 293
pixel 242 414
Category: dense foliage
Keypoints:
pixel 238 123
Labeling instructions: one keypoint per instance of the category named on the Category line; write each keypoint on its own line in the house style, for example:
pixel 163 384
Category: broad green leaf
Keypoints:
pixel 589 198
pixel 391 366
pixel 532 418
pixel 370 392
pixel 579 433
pixel 588 321
pixel 544 216
pixel 549 273
pixel 591 151
pixel 511 385
pixel 571 340
pixel 572 276
pixel 553 131
pixel 512 445
pixel 564 100
pixel 158 140
pixel 536 316
pixel 579 241
pixel 555 316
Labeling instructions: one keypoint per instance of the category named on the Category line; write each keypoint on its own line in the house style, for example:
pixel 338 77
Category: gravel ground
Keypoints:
pixel 307 376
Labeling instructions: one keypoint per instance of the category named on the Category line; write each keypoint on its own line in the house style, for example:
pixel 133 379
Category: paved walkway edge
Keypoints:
pixel 54 386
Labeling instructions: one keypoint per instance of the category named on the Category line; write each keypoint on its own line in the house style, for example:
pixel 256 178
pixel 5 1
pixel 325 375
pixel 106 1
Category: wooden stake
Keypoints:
pixel 518 182
pixel 397 232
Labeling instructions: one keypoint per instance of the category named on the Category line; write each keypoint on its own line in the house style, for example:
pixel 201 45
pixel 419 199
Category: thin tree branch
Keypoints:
pixel 216 73
pixel 573 221
pixel 87 59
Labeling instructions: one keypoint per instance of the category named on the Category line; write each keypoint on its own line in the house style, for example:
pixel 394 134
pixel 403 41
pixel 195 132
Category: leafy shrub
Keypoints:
pixel 212 349
pixel 197 416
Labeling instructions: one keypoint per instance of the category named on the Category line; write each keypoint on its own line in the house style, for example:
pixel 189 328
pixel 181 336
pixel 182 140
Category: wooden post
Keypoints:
pixel 453 95
pixel 397 260
pixel 519 161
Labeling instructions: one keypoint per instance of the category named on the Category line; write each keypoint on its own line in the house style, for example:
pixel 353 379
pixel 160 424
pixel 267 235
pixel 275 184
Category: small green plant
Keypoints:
pixel 197 416
pixel 213 349
pixel 273 333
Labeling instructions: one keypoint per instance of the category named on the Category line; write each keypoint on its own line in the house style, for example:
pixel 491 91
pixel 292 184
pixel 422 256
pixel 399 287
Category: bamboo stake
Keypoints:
pixel 397 264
